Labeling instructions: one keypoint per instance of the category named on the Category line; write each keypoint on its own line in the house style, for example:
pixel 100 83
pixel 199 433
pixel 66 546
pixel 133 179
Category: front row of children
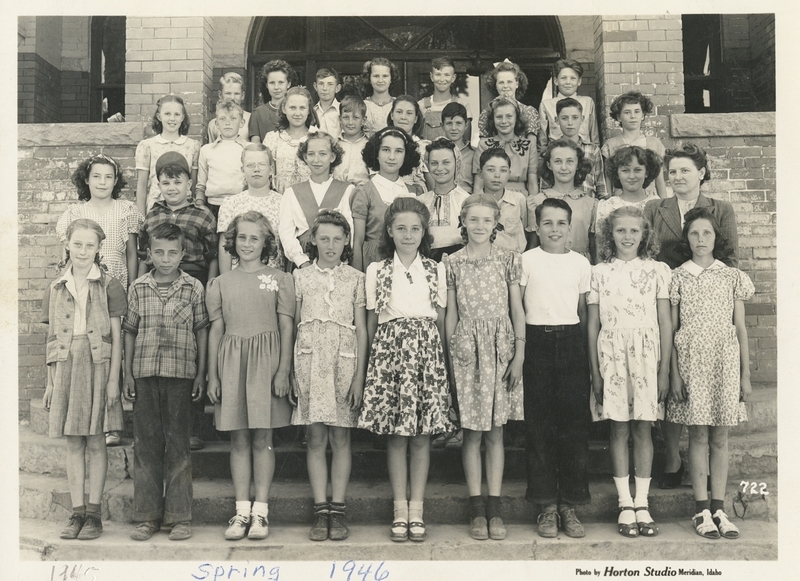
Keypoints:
pixel 370 352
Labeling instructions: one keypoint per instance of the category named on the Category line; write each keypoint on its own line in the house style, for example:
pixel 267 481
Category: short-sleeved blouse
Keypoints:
pixel 625 291
pixel 521 151
pixel 377 116
pixel 329 294
pixel 149 150
pixel 118 223
pixel 252 300
pixel 264 119
pixel 289 169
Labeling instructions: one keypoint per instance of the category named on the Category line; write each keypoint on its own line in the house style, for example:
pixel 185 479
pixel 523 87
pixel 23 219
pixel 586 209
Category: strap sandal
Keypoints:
pixel 726 528
pixel 704 525
pixel 416 531
pixel 399 532
pixel 629 530
pixel 647 527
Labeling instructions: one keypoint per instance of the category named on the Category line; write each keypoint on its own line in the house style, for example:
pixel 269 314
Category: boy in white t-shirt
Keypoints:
pixel 556 373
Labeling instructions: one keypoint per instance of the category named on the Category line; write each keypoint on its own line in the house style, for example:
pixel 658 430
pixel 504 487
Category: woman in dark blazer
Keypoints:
pixel 687 170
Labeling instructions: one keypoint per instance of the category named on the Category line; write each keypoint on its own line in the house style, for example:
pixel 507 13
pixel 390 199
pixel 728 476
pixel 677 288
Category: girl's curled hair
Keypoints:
pixel 507 67
pixel 400 206
pixel 630 98
pixel 649 245
pixel 693 152
pixel 92 226
pixel 274 66
pixel 416 129
pixel 723 249
pixel 270 249
pixel 336 149
pixel 624 155
pixel 480 200
pixel 373 146
pixel 520 128
pixel 311 119
pixel 366 72
pixel 81 174
pixel 584 165
pixel 156 124
pixel 334 218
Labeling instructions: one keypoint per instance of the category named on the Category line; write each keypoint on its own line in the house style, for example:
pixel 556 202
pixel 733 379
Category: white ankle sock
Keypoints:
pixel 243 507
pixel 642 490
pixel 401 510
pixel 415 511
pixel 261 509
pixel 623 491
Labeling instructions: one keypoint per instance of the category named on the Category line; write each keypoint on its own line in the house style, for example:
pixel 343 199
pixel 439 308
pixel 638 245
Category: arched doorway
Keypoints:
pixel 344 43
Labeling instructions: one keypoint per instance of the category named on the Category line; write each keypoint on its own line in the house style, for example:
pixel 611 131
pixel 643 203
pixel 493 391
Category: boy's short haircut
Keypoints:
pixel 562 64
pixel 568 102
pixel 165 231
pixel 173 164
pixel 326 72
pixel 232 78
pixel 494 152
pixel 228 105
pixel 351 104
pixel 454 109
pixel 557 203
pixel 443 61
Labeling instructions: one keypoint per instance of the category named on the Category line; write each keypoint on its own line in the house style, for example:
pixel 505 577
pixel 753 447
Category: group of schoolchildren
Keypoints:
pixel 358 265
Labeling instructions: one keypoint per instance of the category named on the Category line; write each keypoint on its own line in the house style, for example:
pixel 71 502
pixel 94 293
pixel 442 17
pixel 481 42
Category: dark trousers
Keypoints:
pixel 556 380
pixel 162 474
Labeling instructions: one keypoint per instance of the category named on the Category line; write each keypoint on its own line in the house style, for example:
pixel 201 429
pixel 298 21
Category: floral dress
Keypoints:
pixel 289 169
pixel 483 343
pixel 249 303
pixel 707 345
pixel 629 343
pixel 377 116
pixel 326 350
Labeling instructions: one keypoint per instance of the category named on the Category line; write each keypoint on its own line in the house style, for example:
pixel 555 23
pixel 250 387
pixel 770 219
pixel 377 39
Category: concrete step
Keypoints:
pixel 762 411
pixel 752 456
pixel 676 541
pixel 47 497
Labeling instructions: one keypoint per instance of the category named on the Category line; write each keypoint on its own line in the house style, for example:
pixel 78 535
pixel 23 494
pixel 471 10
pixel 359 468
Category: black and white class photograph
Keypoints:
pixel 372 290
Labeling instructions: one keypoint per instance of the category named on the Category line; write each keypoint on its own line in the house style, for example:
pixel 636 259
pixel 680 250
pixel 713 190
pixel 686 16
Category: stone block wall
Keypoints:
pixel 47 155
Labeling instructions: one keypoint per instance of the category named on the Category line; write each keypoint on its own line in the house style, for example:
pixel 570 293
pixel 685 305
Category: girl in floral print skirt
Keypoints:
pixel 405 395
pixel 630 344
pixel 252 310
pixel 711 373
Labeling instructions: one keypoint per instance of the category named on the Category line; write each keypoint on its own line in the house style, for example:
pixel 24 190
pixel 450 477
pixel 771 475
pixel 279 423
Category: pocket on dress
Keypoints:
pixel 505 345
pixel 462 349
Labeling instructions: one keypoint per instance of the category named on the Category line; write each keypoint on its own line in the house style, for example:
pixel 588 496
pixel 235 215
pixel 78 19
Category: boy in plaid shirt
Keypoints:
pixel 195 220
pixel 166 334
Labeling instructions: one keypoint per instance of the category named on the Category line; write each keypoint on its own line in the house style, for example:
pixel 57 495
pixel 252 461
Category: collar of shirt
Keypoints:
pixel 178 282
pixel 236 139
pixel 574 194
pixel 180 141
pixel 162 205
pixel 390 190
pixel 415 268
pixel 506 198
pixel 68 278
pixel 359 140
pixel 326 270
pixel 319 190
pixel 334 105
pixel 696 270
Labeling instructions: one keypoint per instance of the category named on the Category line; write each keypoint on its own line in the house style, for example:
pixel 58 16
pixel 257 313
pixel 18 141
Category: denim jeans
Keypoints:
pixel 556 383
pixel 162 476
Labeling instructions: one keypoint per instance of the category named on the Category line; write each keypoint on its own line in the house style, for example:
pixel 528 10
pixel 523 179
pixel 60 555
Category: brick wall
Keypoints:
pixel 742 157
pixel 738 93
pixel 762 55
pixel 38 90
pixel 74 97
pixel 639 53
pixel 47 156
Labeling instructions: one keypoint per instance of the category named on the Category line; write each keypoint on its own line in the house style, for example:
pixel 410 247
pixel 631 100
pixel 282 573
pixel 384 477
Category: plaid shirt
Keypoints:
pixel 595 184
pixel 199 230
pixel 165 328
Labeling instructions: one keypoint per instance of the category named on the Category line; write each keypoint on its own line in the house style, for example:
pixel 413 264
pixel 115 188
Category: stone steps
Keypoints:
pixel 752 456
pixel 677 541
pixel 762 411
pixel 46 497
